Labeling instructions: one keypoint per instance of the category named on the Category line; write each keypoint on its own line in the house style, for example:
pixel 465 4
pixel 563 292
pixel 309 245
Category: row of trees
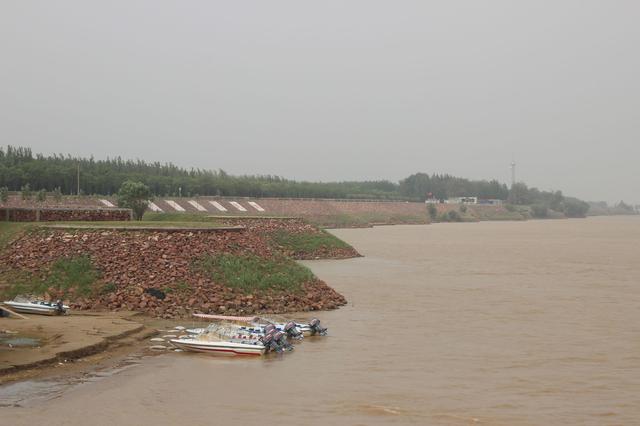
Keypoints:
pixel 28 194
pixel 422 186
pixel 542 202
pixel 20 168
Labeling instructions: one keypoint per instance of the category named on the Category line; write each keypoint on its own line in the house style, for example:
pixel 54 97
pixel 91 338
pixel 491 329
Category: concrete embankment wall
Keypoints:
pixel 326 212
pixel 323 209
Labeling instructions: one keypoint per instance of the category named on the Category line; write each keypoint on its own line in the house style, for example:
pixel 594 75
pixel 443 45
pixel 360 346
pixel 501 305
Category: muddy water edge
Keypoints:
pixel 514 323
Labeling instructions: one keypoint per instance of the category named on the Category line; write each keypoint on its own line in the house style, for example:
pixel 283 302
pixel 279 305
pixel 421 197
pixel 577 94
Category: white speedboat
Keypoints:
pixel 220 347
pixel 38 307
pixel 227 331
pixel 313 328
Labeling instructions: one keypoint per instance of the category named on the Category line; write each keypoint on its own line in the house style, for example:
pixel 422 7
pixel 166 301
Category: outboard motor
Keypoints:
pixel 292 331
pixel 270 344
pixel 269 328
pixel 316 328
pixel 59 306
pixel 282 341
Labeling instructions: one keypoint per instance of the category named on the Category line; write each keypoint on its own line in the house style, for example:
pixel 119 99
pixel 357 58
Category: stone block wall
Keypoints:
pixel 63 215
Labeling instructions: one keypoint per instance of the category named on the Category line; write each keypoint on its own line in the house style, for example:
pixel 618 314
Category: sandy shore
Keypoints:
pixel 53 340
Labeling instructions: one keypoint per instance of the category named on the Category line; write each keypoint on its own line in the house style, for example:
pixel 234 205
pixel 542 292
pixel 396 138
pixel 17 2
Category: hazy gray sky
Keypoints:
pixel 334 90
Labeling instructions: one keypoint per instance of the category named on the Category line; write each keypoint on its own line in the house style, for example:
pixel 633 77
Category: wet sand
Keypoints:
pixel 515 323
pixel 39 341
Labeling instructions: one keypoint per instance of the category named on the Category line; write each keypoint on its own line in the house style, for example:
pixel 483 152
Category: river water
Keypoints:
pixel 513 323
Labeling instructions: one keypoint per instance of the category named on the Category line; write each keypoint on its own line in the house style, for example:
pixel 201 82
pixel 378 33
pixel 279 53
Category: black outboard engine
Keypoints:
pixel 270 344
pixel 281 339
pixel 292 331
pixel 316 328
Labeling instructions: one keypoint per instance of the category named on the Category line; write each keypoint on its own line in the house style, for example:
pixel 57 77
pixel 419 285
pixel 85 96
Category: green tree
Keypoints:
pixel 26 192
pixel 4 194
pixel 134 196
pixel 41 195
pixel 539 211
pixel 575 208
pixel 519 194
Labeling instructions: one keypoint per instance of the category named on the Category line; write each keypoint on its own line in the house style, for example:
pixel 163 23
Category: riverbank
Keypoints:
pixel 171 273
pixel 39 343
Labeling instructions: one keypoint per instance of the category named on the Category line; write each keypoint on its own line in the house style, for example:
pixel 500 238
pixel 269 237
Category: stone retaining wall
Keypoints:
pixel 63 215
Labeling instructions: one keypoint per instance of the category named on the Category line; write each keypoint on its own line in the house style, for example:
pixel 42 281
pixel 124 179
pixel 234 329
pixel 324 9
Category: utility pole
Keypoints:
pixel 513 173
pixel 512 195
pixel 78 179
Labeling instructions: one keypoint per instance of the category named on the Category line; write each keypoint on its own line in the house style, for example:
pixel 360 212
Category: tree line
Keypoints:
pixel 20 168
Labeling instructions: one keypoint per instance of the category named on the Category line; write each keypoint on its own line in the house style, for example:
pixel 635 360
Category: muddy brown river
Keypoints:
pixel 532 323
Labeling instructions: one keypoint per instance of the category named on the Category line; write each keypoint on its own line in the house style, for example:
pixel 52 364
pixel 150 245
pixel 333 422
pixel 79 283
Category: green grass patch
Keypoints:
pixel 69 275
pixel 250 273
pixel 308 242
pixel 107 288
pixel 9 231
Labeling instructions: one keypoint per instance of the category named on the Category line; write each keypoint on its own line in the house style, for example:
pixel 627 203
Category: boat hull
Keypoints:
pixel 219 348
pixel 34 308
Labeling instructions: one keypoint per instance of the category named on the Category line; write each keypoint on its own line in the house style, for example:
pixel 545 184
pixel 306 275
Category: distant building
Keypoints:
pixel 462 200
pixel 466 200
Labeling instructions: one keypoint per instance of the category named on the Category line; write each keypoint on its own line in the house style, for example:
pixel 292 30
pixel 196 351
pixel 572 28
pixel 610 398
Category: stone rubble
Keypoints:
pixel 133 262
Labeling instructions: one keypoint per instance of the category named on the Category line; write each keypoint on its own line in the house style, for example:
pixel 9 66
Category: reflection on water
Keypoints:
pixel 457 324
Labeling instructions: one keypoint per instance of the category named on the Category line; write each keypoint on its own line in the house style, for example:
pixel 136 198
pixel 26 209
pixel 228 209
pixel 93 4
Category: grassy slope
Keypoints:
pixel 10 231
pixel 308 243
pixel 67 276
pixel 254 274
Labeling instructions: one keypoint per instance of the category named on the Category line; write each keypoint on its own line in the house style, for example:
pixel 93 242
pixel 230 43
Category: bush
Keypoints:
pixel 510 207
pixel 454 216
pixel 463 208
pixel 134 196
pixel 433 211
pixel 575 208
pixel 4 194
pixel 107 288
pixel 539 211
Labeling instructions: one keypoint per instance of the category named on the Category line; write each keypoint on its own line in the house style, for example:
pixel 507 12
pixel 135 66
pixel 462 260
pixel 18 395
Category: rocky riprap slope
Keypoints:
pixel 135 265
